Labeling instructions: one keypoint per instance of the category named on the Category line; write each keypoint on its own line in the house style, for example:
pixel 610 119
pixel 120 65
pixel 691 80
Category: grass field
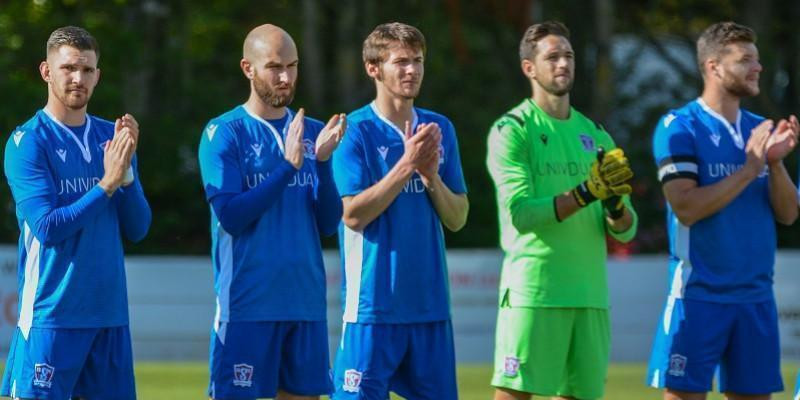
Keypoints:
pixel 177 381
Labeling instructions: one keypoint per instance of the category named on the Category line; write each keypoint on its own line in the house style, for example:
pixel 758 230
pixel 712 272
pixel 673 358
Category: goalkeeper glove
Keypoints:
pixel 608 177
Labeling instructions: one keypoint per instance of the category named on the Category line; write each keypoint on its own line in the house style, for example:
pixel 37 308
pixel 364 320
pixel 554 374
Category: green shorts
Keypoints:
pixel 552 351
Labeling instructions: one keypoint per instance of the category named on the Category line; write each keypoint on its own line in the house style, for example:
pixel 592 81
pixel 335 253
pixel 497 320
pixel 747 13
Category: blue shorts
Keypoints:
pixel 61 363
pixel 696 340
pixel 416 361
pixel 255 359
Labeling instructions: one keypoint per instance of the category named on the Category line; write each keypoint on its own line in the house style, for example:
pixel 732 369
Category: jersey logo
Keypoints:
pixel 210 131
pixel 511 366
pixel 18 137
pixel 677 365
pixel 588 142
pixel 257 148
pixel 310 149
pixel 441 154
pixel 352 381
pixel 43 375
pixel 383 150
pixel 715 137
pixel 62 154
pixel 668 120
pixel 543 137
pixel 243 375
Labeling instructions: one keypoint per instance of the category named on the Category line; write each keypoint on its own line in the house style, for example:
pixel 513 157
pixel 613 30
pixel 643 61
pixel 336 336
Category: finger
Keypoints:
pixel 117 126
pixel 343 129
pixel 619 177
pixel 332 122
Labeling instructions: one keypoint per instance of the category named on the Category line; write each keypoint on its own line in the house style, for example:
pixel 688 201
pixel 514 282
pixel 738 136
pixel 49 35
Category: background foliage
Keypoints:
pixel 174 65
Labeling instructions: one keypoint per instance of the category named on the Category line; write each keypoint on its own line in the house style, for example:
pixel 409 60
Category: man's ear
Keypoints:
pixel 44 71
pixel 373 70
pixel 528 69
pixel 247 69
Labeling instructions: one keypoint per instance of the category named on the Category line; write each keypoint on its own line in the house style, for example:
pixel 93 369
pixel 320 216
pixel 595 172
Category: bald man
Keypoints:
pixel 267 176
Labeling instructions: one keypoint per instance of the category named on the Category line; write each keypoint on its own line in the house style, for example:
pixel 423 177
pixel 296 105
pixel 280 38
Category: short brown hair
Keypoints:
pixel 385 35
pixel 714 39
pixel 72 36
pixel 535 33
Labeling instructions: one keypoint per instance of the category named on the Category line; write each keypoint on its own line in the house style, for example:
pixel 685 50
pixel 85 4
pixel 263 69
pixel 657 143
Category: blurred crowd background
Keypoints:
pixel 174 64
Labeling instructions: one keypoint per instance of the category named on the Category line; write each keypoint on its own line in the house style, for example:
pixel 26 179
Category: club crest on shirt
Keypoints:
pixel 677 365
pixel 587 142
pixel 210 131
pixel 242 375
pixel 62 154
pixel 715 137
pixel 309 149
pixel 383 151
pixel 511 366
pixel 257 148
pixel 18 137
pixel 43 375
pixel 352 381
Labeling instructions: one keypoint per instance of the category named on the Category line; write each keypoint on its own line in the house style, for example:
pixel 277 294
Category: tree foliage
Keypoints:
pixel 174 64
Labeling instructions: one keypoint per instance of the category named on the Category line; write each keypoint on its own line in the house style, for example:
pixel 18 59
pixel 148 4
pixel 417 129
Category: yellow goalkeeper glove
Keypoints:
pixel 608 177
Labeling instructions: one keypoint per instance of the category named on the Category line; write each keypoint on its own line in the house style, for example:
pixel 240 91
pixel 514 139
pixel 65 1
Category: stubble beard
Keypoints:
pixel 267 95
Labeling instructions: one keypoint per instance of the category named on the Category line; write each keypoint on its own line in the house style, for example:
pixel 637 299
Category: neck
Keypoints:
pixel 398 110
pixel 722 102
pixel 258 107
pixel 555 106
pixel 64 114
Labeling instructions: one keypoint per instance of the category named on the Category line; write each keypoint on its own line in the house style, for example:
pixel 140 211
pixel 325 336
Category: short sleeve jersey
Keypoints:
pixel 532 158
pixel 727 257
pixel 394 269
pixel 78 282
pixel 272 271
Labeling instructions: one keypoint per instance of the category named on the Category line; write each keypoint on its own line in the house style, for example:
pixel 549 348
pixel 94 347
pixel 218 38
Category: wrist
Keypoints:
pixel 582 195
pixel 108 187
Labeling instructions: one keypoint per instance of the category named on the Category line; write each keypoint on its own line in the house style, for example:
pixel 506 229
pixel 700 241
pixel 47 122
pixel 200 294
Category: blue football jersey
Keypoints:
pixel 273 270
pixel 395 269
pixel 727 257
pixel 71 272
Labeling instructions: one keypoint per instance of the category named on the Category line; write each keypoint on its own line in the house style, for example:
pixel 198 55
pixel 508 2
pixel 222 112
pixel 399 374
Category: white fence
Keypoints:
pixel 172 303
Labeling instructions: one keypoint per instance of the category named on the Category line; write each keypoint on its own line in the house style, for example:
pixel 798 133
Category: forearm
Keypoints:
pixel 698 202
pixel 52 226
pixel 452 208
pixel 236 212
pixel 327 203
pixel 782 194
pixel 360 210
pixel 133 211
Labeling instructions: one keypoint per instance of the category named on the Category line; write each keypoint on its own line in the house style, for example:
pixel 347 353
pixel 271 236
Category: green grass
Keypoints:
pixel 176 381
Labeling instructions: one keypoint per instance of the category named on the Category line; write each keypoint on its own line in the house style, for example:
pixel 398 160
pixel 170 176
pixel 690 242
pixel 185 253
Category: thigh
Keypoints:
pixel 108 371
pixel 531 349
pixel 246 365
pixel 428 370
pixel 587 363
pixel 47 363
pixel 689 345
pixel 368 357
pixel 305 363
pixel 751 364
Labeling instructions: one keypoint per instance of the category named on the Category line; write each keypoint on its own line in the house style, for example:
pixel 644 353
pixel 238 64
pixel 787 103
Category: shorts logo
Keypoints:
pixel 43 375
pixel 243 375
pixel 310 149
pixel 511 366
pixel 588 142
pixel 352 381
pixel 677 365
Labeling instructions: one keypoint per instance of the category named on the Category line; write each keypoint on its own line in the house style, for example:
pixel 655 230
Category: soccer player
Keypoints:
pixel 74 182
pixel 561 187
pixel 267 176
pixel 722 174
pixel 399 173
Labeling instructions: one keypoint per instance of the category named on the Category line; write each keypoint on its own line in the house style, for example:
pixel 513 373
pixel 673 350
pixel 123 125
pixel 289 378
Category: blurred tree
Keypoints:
pixel 174 64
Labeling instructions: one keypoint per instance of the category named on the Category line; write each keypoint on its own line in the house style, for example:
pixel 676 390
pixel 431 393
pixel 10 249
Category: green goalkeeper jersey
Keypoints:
pixel 532 158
